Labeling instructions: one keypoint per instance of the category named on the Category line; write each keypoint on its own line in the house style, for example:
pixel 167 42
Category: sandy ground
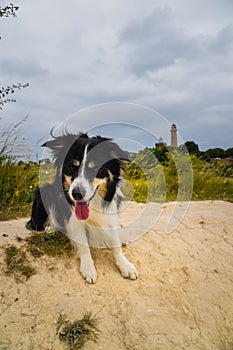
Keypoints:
pixel 182 299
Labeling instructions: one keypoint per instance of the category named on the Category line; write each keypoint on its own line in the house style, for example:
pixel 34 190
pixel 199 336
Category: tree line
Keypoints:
pixel 210 153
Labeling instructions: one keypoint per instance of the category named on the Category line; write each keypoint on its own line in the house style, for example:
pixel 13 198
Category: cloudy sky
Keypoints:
pixel 174 57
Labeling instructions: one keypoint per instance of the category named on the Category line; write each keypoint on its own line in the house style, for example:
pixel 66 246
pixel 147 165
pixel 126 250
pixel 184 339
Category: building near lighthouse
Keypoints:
pixel 160 143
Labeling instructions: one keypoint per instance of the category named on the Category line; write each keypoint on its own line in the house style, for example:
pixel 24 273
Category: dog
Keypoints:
pixel 83 201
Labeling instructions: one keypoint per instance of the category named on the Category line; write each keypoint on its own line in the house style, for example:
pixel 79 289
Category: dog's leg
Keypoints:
pixel 87 267
pixel 39 215
pixel 126 268
pixel 77 233
pixel 112 240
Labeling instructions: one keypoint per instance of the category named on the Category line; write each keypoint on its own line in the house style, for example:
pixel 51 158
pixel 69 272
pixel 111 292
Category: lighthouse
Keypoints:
pixel 174 136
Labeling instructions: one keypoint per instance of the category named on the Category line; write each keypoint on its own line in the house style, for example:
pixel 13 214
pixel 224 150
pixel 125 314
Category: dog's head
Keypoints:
pixel 87 166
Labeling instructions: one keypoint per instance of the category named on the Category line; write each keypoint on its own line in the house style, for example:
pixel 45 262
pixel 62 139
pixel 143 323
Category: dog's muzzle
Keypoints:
pixel 78 193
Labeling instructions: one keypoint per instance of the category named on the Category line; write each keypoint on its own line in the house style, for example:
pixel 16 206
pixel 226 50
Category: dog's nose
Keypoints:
pixel 78 193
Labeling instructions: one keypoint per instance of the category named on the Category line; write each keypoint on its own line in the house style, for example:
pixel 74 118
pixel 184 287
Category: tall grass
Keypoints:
pixel 212 180
pixel 17 185
pixel 171 180
pixel 148 180
pixel 18 179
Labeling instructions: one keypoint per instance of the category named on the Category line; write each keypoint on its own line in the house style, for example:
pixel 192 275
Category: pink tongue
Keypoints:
pixel 82 210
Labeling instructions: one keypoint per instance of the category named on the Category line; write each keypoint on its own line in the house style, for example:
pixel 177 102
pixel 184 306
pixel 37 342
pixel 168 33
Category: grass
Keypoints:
pixel 18 264
pixel 75 334
pixel 18 179
pixel 211 181
pixel 53 244
pixel 168 179
pixel 147 181
pixel 17 185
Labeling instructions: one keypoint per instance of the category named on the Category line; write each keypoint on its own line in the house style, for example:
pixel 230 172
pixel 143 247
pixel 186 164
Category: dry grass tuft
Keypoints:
pixel 18 264
pixel 76 334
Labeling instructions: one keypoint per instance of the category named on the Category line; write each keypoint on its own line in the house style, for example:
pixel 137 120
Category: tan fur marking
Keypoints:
pixel 110 175
pixel 98 182
pixel 102 186
pixel 76 163
pixel 102 190
pixel 67 182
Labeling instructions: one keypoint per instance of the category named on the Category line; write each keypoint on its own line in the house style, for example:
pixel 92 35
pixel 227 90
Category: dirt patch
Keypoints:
pixel 182 299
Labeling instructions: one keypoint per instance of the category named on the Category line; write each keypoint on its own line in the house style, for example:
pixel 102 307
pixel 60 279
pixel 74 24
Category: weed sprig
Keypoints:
pixel 75 334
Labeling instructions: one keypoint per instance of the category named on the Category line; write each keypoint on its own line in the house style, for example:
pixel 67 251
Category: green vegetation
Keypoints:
pixel 17 185
pixel 50 243
pixel 18 264
pixel 5 91
pixel 212 180
pixel 18 179
pixel 160 175
pixel 54 244
pixel 148 180
pixel 76 334
pixel 9 10
pixel 171 179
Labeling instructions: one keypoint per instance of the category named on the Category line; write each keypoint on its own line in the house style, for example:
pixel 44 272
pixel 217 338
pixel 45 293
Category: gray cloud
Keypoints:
pixel 223 43
pixel 154 43
pixel 17 68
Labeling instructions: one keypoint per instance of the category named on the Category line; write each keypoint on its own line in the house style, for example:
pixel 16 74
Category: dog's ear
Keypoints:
pixel 52 144
pixel 60 145
pixel 117 153
pixel 56 146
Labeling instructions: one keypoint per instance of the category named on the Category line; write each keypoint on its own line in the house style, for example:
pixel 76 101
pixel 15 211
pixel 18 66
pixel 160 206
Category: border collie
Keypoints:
pixel 84 199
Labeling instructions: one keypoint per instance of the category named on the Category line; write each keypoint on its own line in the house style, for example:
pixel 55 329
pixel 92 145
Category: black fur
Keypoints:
pixel 39 214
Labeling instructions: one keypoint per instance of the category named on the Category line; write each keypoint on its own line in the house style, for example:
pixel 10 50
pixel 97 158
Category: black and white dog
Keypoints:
pixel 84 199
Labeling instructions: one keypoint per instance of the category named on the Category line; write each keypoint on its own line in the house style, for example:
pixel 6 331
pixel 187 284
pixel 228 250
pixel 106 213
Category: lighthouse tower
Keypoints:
pixel 174 136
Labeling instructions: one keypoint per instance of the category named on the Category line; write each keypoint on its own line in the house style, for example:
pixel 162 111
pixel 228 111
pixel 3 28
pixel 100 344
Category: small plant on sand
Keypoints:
pixel 18 264
pixel 49 243
pixel 75 334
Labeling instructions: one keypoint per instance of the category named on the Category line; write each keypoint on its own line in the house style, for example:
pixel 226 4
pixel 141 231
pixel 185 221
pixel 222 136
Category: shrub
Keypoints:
pixel 17 185
pixel 17 180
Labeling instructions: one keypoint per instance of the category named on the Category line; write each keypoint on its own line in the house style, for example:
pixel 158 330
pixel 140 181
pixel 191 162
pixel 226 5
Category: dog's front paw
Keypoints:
pixel 128 270
pixel 88 270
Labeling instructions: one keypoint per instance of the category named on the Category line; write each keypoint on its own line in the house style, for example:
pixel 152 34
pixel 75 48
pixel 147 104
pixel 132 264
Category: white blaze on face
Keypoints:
pixel 83 164
pixel 80 181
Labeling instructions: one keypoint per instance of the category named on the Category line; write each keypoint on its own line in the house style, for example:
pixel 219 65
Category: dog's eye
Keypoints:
pixel 91 165
pixel 76 163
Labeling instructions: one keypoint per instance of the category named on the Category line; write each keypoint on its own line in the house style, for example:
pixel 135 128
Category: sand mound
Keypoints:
pixel 182 299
